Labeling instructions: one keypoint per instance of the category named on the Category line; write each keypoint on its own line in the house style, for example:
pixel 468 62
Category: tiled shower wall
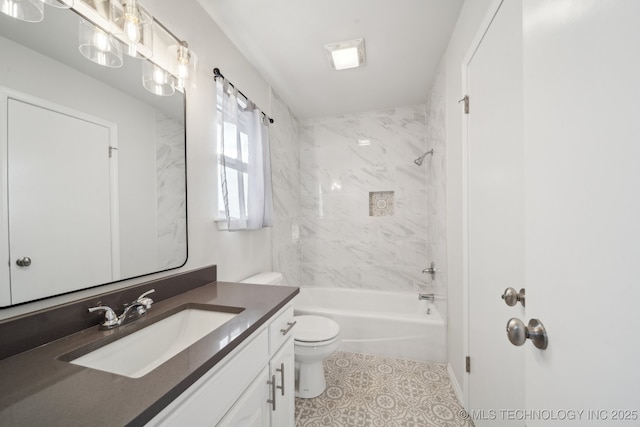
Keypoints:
pixel 285 171
pixel 346 161
pixel 325 175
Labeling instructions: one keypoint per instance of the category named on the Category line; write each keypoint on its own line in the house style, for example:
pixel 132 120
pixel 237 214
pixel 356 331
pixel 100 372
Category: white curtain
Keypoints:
pixel 245 161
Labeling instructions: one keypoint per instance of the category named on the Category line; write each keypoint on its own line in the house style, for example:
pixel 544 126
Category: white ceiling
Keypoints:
pixel 284 40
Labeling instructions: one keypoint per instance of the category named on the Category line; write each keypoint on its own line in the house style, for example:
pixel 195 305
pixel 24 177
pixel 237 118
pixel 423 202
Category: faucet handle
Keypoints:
pixel 144 299
pixel 150 291
pixel 110 317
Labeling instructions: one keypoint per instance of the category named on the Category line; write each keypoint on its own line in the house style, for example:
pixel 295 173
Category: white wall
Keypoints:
pixel 470 18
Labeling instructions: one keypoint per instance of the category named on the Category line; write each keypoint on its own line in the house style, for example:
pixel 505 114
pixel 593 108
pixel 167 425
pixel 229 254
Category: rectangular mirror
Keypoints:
pixel 92 166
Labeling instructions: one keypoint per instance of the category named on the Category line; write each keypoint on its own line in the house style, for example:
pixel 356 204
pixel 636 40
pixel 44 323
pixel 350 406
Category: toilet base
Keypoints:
pixel 310 381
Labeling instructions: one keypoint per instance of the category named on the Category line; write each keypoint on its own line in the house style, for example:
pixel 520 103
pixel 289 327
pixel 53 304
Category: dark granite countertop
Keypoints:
pixel 38 387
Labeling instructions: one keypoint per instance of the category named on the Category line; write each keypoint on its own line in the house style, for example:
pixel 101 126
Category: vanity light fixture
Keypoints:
pixel 157 80
pixel 99 46
pixel 347 54
pixel 186 62
pixel 60 4
pixel 109 28
pixel 133 26
pixel 24 10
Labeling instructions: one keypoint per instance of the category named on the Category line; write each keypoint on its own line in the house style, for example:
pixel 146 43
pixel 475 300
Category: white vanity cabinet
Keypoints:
pixel 252 386
pixel 282 369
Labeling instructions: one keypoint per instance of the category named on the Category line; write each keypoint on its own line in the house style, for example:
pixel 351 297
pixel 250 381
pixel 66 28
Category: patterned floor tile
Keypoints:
pixel 376 391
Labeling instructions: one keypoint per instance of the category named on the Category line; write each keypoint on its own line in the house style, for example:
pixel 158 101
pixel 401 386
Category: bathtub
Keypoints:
pixel 377 322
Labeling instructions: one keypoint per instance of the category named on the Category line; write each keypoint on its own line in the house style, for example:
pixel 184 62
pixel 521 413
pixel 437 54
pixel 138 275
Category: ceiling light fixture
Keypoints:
pixel 347 54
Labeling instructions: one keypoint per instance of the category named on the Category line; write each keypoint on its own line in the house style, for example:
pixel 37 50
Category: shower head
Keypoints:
pixel 420 159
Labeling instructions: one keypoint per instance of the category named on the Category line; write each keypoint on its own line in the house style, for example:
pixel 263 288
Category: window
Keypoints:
pixel 244 184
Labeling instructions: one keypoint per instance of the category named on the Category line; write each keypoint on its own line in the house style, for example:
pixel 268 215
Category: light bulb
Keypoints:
pixel 158 76
pixel 132 23
pixel 132 30
pixel 101 40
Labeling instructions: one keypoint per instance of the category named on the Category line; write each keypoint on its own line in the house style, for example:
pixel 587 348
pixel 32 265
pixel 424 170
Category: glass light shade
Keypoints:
pixel 60 4
pixel 99 46
pixel 134 27
pixel 184 66
pixel 157 80
pixel 24 10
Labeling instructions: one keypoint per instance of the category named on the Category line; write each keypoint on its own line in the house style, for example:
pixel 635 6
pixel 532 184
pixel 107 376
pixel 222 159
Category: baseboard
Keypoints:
pixel 454 383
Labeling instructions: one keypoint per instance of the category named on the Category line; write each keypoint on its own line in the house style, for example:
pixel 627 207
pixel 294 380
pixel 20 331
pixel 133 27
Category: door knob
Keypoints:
pixel 511 297
pixel 25 261
pixel 535 331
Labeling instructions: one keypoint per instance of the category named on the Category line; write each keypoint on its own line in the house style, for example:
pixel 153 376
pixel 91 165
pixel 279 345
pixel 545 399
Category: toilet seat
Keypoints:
pixel 314 330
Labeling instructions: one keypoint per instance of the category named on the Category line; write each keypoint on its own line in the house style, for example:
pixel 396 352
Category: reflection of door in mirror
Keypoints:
pixel 43 61
pixel 61 196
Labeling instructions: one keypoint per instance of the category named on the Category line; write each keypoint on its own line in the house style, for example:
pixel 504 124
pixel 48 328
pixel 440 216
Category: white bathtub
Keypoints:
pixel 377 322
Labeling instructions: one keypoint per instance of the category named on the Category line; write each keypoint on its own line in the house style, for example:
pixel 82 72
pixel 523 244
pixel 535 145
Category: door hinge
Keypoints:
pixel 466 103
pixel 111 150
pixel 467 364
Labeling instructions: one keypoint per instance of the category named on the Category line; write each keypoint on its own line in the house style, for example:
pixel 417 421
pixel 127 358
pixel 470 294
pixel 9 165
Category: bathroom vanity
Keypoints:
pixel 241 373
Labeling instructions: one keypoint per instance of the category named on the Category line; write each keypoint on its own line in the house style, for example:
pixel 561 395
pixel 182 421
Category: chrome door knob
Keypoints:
pixel 511 296
pixel 25 261
pixel 535 331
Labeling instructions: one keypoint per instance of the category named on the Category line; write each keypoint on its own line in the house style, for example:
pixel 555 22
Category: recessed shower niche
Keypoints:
pixel 381 203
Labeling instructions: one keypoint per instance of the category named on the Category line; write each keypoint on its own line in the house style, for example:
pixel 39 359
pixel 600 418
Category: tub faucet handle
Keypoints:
pixel 431 270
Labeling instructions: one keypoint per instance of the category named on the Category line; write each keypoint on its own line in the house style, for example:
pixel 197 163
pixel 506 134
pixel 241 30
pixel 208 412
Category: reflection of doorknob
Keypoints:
pixel 511 297
pixel 535 331
pixel 25 261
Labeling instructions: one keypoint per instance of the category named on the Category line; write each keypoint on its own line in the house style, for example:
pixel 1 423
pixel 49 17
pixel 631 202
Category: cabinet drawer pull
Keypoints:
pixel 289 326
pixel 272 383
pixel 281 370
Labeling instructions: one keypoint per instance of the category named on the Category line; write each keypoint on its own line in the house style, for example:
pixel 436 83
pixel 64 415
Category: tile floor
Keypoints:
pixel 365 390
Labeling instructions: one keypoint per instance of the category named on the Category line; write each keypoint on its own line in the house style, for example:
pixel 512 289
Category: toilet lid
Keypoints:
pixel 315 328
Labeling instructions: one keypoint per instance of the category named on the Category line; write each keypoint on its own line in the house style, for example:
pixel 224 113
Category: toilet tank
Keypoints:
pixel 265 278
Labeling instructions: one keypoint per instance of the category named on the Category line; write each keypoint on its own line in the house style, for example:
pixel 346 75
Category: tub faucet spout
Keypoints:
pixel 428 297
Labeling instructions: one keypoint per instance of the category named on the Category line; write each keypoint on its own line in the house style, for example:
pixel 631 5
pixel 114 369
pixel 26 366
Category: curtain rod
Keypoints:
pixel 217 73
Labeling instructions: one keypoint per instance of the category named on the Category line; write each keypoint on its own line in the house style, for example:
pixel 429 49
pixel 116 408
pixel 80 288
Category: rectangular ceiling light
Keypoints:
pixel 347 54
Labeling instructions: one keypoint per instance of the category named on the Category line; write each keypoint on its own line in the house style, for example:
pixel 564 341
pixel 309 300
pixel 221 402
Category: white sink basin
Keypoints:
pixel 139 353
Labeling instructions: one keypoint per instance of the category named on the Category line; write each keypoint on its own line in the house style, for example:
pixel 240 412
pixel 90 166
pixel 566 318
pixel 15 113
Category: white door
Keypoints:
pixel 59 199
pixel 495 217
pixel 582 208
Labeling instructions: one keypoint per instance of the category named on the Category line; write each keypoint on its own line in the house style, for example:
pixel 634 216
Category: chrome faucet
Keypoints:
pixel 111 320
pixel 428 297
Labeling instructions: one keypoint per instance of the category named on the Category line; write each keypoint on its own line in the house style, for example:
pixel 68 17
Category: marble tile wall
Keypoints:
pixel 342 160
pixel 170 164
pixel 285 169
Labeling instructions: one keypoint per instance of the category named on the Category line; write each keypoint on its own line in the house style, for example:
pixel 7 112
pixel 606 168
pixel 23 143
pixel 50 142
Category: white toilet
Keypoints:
pixel 315 339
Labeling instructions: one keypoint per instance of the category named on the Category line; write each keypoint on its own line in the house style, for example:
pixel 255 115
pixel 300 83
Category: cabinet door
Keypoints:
pixel 251 409
pixel 282 366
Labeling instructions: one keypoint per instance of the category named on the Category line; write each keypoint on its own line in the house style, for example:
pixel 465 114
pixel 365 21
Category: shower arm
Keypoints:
pixel 420 159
